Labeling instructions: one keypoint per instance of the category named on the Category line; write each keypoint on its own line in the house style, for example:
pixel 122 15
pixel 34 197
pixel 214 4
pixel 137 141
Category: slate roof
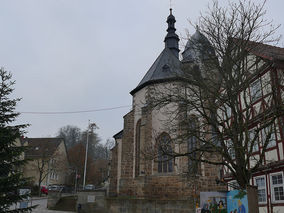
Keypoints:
pixel 118 135
pixel 166 67
pixel 198 48
pixel 41 147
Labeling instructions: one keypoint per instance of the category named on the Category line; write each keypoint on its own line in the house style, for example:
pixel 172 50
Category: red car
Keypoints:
pixel 44 190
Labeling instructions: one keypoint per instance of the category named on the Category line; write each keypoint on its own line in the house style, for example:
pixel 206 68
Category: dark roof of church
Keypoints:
pixel 118 135
pixel 41 147
pixel 198 48
pixel 166 67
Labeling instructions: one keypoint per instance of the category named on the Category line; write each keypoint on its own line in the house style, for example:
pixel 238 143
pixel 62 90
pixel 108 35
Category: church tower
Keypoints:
pixel 172 39
pixel 167 66
pixel 132 174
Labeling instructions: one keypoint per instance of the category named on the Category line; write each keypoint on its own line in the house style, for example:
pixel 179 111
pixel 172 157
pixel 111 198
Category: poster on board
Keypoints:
pixel 235 204
pixel 213 202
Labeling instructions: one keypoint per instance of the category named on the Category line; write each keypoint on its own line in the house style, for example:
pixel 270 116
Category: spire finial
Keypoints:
pixel 171 5
pixel 197 27
pixel 172 39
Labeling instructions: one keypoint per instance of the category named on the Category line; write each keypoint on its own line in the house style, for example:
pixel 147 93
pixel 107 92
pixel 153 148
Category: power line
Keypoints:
pixel 76 112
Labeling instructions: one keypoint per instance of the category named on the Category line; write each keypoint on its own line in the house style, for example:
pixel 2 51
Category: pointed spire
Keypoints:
pixel 197 28
pixel 172 39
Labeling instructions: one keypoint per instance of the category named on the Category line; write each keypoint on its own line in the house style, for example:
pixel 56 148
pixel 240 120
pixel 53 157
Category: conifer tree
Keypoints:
pixel 11 154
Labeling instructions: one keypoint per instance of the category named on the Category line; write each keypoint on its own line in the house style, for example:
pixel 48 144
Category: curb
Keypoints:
pixel 38 198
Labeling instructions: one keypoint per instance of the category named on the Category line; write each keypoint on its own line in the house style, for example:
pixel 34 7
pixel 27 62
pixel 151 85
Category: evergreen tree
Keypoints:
pixel 11 154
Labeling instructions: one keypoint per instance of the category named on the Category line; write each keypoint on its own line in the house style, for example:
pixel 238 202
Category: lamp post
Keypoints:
pixel 90 126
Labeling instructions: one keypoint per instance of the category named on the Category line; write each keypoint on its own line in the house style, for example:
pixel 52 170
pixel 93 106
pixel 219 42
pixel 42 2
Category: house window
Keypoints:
pixel 269 132
pixel 232 185
pixel 137 148
pixel 255 147
pixel 165 162
pixel 277 187
pixel 191 146
pixel 228 112
pixel 261 188
pixel 231 149
pixel 255 90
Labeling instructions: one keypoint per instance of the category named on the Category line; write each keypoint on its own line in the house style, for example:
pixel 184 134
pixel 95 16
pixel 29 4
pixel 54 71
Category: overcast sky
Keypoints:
pixel 75 55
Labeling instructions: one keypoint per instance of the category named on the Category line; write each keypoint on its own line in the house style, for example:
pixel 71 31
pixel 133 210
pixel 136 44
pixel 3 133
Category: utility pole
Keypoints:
pixel 90 125
pixel 76 178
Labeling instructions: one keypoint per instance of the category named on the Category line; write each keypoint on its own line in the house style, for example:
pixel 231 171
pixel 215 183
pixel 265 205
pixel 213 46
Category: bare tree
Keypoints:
pixel 42 166
pixel 94 143
pixel 71 135
pixel 215 96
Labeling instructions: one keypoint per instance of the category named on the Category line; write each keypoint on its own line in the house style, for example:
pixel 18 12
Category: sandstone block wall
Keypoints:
pixel 127 161
pixel 113 172
pixel 149 206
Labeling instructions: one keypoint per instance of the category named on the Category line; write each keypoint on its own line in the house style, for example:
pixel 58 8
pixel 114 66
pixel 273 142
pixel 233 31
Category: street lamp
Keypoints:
pixel 90 126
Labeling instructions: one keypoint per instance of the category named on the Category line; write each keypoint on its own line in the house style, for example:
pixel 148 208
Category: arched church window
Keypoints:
pixel 137 148
pixel 165 161
pixel 191 146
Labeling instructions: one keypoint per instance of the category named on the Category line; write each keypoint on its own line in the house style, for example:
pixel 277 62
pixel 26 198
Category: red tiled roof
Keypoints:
pixel 264 50
pixel 267 51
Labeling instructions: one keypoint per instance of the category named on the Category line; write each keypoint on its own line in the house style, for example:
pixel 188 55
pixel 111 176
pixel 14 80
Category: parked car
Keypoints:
pixel 54 188
pixel 89 187
pixel 44 190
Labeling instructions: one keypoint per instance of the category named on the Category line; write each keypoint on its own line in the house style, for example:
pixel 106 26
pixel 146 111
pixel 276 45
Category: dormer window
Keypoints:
pixel 166 68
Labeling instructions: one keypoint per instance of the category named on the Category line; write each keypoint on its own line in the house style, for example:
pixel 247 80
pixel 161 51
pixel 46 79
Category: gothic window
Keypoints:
pixel 191 146
pixel 165 162
pixel 137 148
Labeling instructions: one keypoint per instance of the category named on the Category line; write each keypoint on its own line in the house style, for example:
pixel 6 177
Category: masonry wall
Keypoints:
pixel 113 172
pixel 151 188
pixel 127 146
pixel 149 206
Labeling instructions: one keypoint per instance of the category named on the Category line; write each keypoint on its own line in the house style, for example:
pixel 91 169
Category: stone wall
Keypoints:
pixel 179 186
pixel 91 201
pixel 149 206
pixel 127 162
pixel 149 184
pixel 113 172
pixel 53 198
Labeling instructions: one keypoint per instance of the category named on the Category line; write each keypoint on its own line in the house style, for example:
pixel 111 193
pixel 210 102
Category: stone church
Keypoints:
pixel 135 177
